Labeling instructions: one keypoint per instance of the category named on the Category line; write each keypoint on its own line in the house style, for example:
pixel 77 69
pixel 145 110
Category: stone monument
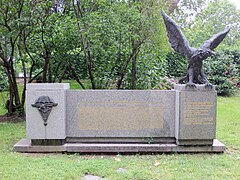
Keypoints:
pixel 64 120
pixel 179 120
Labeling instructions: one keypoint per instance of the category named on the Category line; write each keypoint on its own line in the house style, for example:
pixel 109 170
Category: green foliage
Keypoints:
pixel 98 39
pixel 223 71
pixel 3 99
pixel 176 65
pixel 103 42
pixel 114 33
pixel 3 80
pixel 3 88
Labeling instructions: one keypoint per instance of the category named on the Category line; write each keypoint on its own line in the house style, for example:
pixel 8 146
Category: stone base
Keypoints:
pixel 195 142
pixel 24 145
pixel 48 142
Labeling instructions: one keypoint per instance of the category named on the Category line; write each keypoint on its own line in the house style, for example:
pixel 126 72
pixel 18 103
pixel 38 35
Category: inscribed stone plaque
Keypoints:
pixel 124 113
pixel 120 115
pixel 198 113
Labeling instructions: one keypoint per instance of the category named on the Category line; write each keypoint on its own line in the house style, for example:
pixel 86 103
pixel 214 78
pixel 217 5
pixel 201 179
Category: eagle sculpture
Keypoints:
pixel 179 43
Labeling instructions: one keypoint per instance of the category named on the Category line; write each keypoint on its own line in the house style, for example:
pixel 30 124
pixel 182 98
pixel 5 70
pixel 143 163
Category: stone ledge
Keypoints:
pixel 47 86
pixel 25 146
pixel 199 87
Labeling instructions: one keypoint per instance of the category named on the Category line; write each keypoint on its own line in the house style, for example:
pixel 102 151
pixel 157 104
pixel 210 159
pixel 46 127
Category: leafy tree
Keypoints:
pixel 24 36
pixel 213 19
pixel 112 35
pixel 13 21
pixel 113 44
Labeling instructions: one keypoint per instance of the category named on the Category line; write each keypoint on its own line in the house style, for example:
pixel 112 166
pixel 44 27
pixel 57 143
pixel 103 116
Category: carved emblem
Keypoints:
pixel 44 105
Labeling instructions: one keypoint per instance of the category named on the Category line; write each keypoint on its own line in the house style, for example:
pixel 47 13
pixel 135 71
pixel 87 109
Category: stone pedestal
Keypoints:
pixel 195 115
pixel 46 113
pixel 62 120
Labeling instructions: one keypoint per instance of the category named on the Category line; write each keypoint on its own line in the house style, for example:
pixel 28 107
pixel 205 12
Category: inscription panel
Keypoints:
pixel 114 113
pixel 198 113
pixel 119 115
pixel 197 116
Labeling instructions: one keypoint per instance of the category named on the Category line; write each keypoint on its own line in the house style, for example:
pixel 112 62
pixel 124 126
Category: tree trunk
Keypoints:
pixel 24 72
pixel 10 104
pixel 14 83
pixel 135 50
pixel 44 74
pixel 13 102
pixel 49 73
pixel 46 58
pixel 134 71
pixel 79 12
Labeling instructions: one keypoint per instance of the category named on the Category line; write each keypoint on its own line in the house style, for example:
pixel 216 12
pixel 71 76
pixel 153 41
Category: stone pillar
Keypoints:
pixel 46 113
pixel 195 115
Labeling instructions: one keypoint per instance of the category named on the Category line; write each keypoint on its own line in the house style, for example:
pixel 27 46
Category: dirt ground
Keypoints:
pixel 13 118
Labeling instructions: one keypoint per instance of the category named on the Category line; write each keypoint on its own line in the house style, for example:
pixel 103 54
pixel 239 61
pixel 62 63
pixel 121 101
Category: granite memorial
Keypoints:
pixel 180 120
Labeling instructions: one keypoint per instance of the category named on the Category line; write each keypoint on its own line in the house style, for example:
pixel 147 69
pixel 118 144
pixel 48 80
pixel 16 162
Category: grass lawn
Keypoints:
pixel 165 166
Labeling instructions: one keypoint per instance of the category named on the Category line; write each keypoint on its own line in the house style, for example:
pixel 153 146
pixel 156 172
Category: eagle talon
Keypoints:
pixel 208 85
pixel 191 85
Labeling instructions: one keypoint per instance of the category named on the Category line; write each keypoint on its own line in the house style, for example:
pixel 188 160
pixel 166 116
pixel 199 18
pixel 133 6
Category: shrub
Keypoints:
pixel 176 65
pixel 223 70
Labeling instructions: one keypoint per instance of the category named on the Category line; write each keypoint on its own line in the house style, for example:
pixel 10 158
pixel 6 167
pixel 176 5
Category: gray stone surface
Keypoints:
pixel 56 124
pixel 120 140
pixel 196 123
pixel 24 145
pixel 114 113
pixel 128 120
pixel 47 86
pixel 199 87
pixel 121 170
pixel 91 177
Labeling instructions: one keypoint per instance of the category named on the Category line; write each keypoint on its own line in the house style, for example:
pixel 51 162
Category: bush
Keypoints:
pixel 223 70
pixel 176 65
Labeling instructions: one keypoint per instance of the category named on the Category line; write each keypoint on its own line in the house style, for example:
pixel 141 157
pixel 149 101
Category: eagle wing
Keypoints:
pixel 215 40
pixel 176 38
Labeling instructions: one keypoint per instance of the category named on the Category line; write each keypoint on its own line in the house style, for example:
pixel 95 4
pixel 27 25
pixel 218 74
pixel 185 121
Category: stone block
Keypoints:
pixel 56 123
pixel 24 145
pixel 117 113
pixel 195 115
pixel 181 120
